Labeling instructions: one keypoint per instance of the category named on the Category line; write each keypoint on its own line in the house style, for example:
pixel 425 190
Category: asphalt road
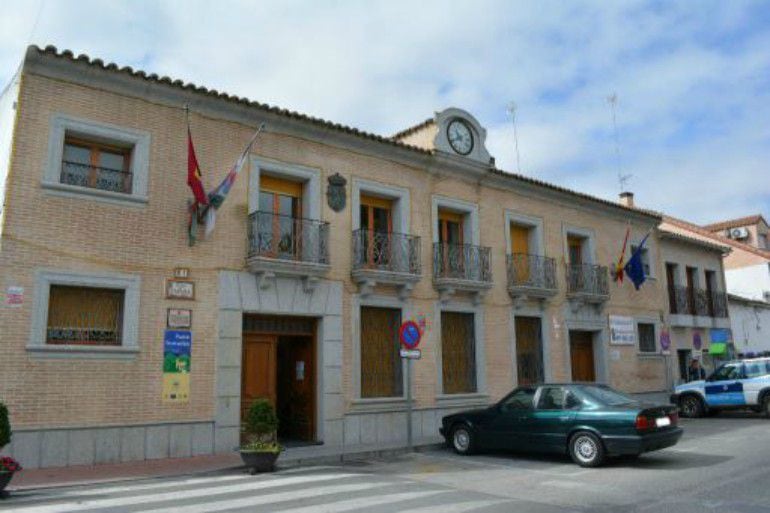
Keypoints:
pixel 722 464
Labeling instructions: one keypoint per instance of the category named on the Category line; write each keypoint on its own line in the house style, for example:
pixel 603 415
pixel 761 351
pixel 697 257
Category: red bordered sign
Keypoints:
pixel 409 334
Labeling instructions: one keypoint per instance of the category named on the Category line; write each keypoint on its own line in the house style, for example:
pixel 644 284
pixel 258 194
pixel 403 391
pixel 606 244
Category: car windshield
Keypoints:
pixel 603 396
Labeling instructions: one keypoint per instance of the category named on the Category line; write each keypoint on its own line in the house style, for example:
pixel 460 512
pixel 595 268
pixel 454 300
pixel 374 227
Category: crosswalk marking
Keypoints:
pixel 274 498
pixel 87 504
pixel 454 508
pixel 364 502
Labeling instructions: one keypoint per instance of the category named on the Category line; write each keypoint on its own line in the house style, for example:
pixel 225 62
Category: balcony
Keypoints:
pixel 587 283
pixel 691 307
pixel 385 258
pixel 289 246
pixel 461 267
pixel 531 277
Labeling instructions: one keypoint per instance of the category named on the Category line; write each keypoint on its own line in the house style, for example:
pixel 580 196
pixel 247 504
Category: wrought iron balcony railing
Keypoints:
pixel 288 238
pixel 383 251
pixel 94 177
pixel 692 301
pixel 531 271
pixel 461 262
pixel 588 279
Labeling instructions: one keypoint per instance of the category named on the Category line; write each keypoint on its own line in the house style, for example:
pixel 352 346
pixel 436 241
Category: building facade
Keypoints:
pixel 697 316
pixel 122 342
pixel 750 320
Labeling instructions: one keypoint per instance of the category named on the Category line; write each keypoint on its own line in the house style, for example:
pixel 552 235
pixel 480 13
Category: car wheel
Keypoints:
pixel 766 406
pixel 586 449
pixel 462 439
pixel 691 407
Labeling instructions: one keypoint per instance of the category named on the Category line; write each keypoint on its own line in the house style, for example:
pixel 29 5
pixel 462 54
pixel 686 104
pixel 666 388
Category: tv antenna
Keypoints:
pixel 511 109
pixel 612 99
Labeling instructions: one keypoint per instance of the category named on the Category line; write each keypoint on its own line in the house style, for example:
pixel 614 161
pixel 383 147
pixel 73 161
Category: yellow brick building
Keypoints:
pixel 328 241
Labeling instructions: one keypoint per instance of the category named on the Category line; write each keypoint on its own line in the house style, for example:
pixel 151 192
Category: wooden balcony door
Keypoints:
pixel 691 277
pixel 529 350
pixel 671 284
pixel 281 233
pixel 520 246
pixel 450 235
pixel 377 219
pixel 581 345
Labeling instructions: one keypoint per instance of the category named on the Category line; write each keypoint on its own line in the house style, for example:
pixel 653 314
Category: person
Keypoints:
pixel 695 372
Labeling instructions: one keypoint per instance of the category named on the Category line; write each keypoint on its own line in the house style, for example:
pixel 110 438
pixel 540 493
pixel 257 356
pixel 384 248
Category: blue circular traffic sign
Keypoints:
pixel 410 335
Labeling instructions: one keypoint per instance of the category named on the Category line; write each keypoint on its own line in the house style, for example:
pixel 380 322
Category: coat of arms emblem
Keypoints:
pixel 335 192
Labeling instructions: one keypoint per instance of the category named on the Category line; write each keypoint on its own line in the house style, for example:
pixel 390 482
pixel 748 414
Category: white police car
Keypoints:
pixel 733 385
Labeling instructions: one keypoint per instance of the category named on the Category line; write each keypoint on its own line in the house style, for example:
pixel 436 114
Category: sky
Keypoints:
pixel 692 78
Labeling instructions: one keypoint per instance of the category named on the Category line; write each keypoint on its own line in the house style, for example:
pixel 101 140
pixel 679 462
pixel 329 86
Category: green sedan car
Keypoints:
pixel 588 421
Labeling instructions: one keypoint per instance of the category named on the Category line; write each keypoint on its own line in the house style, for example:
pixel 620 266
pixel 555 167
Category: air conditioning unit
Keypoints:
pixel 738 233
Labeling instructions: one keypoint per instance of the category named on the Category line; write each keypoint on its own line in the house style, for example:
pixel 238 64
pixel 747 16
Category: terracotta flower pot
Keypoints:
pixel 259 461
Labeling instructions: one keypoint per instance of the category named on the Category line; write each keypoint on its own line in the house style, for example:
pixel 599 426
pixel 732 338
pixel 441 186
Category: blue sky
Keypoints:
pixel 692 78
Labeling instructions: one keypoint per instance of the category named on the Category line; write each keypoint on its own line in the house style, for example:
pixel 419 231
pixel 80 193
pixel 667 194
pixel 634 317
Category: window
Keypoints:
pixel 551 398
pixel 450 230
pixel 645 259
pixel 646 332
pixel 380 360
pixel 106 162
pixel 519 399
pixel 757 369
pixel 377 228
pixel 84 316
pixel 575 249
pixel 280 205
pixel 96 165
pixel 763 241
pixel 458 353
pixel 727 372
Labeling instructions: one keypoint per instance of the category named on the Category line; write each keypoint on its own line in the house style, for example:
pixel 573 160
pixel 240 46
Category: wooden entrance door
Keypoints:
pixel 258 371
pixel 582 352
pixel 529 350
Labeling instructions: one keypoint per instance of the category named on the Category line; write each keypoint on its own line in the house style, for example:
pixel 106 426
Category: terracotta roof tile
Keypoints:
pixel 720 239
pixel 735 223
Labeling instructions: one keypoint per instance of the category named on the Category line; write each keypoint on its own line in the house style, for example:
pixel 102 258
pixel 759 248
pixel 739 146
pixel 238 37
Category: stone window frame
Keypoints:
pixel 531 222
pixel 399 195
pixel 469 210
pixel 480 396
pixel 309 177
pixel 62 125
pixel 375 403
pixel 657 327
pixel 130 330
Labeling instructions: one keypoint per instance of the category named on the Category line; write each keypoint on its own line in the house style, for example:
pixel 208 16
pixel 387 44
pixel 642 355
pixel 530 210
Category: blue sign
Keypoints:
pixel 720 335
pixel 177 348
pixel 410 334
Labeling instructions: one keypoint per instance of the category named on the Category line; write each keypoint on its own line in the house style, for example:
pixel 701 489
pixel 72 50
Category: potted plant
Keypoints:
pixel 8 465
pixel 261 448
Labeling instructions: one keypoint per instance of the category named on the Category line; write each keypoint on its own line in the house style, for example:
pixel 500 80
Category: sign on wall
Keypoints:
pixel 177 350
pixel 14 296
pixel 179 318
pixel 180 289
pixel 665 342
pixel 622 331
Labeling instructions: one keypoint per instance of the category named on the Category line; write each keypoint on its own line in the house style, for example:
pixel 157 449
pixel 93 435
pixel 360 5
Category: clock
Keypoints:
pixel 460 136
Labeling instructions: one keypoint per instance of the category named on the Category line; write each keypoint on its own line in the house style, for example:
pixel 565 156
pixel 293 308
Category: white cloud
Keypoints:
pixel 693 83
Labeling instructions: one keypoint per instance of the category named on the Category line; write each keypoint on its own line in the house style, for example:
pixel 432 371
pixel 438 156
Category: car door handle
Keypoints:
pixel 565 417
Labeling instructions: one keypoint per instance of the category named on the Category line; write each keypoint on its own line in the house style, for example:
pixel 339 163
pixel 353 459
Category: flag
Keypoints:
pixel 635 267
pixel 194 173
pixel 219 195
pixel 196 185
pixel 617 274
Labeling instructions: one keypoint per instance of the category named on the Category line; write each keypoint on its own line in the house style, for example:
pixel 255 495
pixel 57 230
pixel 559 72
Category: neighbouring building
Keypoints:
pixel 697 314
pixel 122 342
pixel 750 321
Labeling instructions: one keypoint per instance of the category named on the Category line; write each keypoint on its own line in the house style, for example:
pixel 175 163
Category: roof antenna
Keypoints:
pixel 511 109
pixel 612 99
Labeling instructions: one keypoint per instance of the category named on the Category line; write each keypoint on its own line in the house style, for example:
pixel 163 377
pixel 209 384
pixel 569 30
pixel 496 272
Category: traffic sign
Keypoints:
pixel 411 354
pixel 410 335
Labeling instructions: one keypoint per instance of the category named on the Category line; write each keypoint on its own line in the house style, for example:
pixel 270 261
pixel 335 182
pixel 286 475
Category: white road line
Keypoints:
pixel 364 502
pixel 82 505
pixel 272 498
pixel 91 490
pixel 457 507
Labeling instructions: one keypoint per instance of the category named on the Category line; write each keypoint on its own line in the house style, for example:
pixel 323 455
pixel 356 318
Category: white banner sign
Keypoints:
pixel 622 331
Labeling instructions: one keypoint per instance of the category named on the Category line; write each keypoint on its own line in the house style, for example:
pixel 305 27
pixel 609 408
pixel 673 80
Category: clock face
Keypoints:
pixel 460 137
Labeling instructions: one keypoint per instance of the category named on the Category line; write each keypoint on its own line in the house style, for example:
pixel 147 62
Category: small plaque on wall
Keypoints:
pixel 179 318
pixel 180 289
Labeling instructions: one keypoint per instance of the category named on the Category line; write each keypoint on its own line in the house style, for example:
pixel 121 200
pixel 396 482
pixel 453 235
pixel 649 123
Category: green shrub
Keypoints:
pixel 260 423
pixel 5 427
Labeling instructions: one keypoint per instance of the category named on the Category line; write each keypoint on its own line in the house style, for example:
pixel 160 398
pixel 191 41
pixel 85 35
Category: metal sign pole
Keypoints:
pixel 409 404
